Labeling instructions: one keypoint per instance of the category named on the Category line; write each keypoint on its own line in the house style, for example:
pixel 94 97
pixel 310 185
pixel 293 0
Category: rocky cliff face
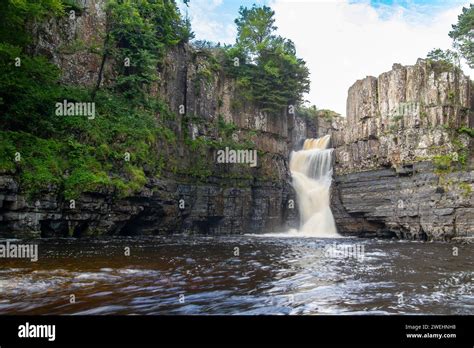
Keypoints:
pixel 74 43
pixel 418 205
pixel 226 198
pixel 386 184
pixel 405 115
pixel 403 167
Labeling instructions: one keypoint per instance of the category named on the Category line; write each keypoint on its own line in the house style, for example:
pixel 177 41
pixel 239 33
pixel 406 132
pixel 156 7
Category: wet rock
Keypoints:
pixel 383 202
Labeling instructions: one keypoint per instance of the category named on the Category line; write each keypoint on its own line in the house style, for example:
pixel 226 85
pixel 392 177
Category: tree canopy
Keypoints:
pixel 443 60
pixel 139 32
pixel 463 34
pixel 270 74
pixel 255 28
pixel 75 154
pixel 14 15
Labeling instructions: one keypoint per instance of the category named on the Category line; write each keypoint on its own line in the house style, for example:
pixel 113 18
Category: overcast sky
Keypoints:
pixel 341 40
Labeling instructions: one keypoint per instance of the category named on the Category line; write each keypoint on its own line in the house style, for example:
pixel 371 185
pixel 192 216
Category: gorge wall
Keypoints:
pixel 195 194
pixel 404 165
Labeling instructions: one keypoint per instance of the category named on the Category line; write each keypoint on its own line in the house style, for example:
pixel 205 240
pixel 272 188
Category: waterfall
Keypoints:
pixel 311 170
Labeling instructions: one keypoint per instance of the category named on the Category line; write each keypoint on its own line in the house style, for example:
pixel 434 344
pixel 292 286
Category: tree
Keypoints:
pixel 28 84
pixel 463 34
pixel 272 74
pixel 137 35
pixel 14 15
pixel 255 28
pixel 446 59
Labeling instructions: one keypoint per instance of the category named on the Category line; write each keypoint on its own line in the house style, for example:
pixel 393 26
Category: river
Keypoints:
pixel 239 275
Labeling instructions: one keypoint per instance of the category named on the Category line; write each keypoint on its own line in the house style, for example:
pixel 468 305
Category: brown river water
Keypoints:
pixel 239 275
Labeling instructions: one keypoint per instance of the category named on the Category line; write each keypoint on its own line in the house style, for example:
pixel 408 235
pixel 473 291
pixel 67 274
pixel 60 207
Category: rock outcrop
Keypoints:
pixel 225 198
pixel 403 165
pixel 74 43
pixel 406 115
pixel 420 204
pixel 207 209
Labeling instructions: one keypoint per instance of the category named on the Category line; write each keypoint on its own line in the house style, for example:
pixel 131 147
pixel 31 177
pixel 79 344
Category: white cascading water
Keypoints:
pixel 311 170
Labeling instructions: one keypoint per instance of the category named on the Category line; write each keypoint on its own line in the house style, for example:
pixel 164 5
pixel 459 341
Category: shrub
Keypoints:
pixel 467 130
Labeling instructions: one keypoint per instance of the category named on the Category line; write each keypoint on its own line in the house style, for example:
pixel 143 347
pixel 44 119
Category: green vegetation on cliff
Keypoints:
pixel 467 130
pixel 117 147
pixel 265 65
pixel 130 134
pixel 443 60
pixel 137 35
pixel 312 112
